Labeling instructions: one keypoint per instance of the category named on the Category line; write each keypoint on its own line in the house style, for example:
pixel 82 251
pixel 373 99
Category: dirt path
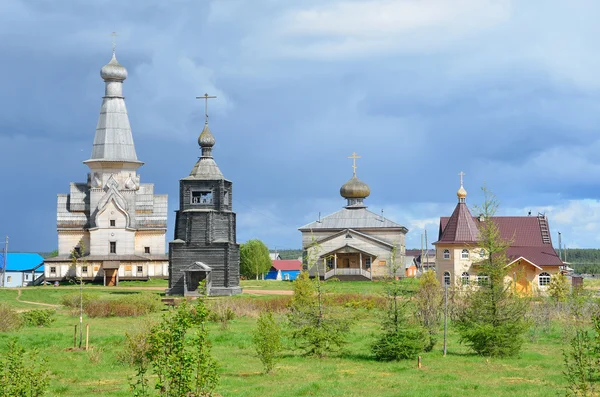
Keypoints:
pixel 267 292
pixel 34 303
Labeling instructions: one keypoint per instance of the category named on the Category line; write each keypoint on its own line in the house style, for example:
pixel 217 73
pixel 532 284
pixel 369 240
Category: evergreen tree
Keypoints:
pixel 493 323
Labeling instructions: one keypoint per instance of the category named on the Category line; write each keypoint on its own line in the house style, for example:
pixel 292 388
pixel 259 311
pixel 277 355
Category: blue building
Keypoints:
pixel 286 270
pixel 22 269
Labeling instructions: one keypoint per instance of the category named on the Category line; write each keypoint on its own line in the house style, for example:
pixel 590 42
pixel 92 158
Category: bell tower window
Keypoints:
pixel 202 197
pixel 113 247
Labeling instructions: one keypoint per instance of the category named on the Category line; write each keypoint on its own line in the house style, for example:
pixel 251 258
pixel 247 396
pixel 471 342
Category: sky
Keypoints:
pixel 506 91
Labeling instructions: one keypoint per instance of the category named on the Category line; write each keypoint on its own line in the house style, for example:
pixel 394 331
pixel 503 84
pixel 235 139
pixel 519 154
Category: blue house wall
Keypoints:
pixel 20 268
pixel 292 274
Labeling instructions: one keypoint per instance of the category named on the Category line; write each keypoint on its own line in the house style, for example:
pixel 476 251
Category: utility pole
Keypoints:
pixel 445 315
pixel 5 260
pixel 426 249
pixel 560 246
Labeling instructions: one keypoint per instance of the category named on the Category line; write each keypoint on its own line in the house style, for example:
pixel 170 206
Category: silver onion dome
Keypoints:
pixel 113 71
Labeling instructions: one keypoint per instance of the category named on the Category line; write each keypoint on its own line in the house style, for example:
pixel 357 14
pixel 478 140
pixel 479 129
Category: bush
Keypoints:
pixel 129 306
pixel 405 343
pixel 38 318
pixel 267 340
pixel 221 312
pixel 72 300
pixel 9 318
pixel 559 287
pixel 135 349
pixel 20 374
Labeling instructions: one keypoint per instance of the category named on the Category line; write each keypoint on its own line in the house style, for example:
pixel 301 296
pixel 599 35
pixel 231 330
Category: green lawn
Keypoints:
pixel 353 372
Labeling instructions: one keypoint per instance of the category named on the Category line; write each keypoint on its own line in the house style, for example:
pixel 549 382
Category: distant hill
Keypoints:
pixel 289 253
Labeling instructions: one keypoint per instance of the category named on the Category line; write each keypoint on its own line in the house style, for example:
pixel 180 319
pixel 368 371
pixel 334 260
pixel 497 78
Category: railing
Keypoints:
pixel 38 280
pixel 347 272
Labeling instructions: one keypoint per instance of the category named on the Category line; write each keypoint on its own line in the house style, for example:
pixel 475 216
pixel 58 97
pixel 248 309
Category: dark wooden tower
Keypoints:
pixel 204 247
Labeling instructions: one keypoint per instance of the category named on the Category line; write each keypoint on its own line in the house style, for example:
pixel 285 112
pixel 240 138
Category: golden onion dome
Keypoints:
pixel 355 189
pixel 462 193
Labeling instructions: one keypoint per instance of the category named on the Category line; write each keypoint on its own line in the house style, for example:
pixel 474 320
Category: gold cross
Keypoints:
pixel 114 40
pixel 354 157
pixel 461 174
pixel 206 97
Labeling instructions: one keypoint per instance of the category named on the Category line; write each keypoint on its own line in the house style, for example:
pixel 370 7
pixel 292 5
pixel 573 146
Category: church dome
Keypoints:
pixel 355 189
pixel 113 71
pixel 206 138
pixel 462 193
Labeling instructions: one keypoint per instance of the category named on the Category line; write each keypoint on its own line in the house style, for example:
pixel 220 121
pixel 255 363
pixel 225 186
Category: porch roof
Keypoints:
pixel 346 247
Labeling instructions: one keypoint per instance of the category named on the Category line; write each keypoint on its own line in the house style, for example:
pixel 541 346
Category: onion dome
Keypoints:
pixel 462 193
pixel 355 189
pixel 113 71
pixel 206 138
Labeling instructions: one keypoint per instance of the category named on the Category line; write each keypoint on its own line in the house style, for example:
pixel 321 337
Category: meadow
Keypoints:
pixel 536 371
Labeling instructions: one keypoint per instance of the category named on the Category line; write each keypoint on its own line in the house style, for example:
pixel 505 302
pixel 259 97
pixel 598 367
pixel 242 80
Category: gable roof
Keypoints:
pixel 355 218
pixel 286 264
pixel 19 261
pixel 352 231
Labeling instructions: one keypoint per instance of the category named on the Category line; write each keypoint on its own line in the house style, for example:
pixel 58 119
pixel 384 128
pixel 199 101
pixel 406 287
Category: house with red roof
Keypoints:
pixel 532 258
pixel 283 269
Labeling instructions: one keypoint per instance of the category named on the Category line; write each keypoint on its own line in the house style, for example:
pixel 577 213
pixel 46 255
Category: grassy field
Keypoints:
pixel 352 372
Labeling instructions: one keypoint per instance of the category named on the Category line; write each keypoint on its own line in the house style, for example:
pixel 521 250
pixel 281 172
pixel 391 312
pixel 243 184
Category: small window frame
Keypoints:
pixel 140 269
pixel 464 278
pixel 113 223
pixel 544 279
pixel 447 278
pixel 112 247
pixel 446 254
pixel 464 254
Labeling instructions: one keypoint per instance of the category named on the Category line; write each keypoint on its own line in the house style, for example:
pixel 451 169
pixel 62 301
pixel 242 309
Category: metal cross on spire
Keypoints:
pixel 461 174
pixel 206 97
pixel 354 157
pixel 114 41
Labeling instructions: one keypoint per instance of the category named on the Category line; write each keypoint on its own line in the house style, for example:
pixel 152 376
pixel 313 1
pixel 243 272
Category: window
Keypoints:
pixel 27 277
pixel 330 261
pixel 113 223
pixel 348 235
pixel 286 277
pixel 382 263
pixel 446 278
pixel 140 269
pixel 146 250
pixel 84 269
pixel 200 197
pixel 544 279
pixel 113 247
pixel 8 279
pixel 482 253
pixel 446 254
pixel 464 254
pixel 368 262
pixel 53 269
pixel 226 198
pixel 464 278
pixel 482 279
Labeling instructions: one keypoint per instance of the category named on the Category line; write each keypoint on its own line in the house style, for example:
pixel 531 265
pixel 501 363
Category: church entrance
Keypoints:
pixel 194 276
pixel 111 273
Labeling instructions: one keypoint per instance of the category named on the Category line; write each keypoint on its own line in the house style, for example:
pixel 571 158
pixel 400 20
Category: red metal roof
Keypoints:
pixel 524 233
pixel 287 264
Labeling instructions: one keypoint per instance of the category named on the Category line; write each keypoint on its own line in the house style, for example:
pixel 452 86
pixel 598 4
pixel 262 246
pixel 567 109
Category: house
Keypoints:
pixel 22 269
pixel 532 258
pixel 425 259
pixel 410 266
pixel 286 270
pixel 354 243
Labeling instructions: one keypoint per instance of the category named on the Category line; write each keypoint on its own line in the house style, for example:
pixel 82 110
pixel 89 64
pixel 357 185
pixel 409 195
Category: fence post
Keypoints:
pixel 75 337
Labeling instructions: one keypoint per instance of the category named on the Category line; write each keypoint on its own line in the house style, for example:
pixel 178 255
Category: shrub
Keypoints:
pixel 267 340
pixel 559 287
pixel 428 300
pixel 405 343
pixel 22 374
pixel 135 348
pixel 9 318
pixel 129 306
pixel 221 312
pixel 38 318
pixel 72 300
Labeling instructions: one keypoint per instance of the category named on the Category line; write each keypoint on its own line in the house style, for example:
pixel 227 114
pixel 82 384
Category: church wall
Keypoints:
pixel 101 239
pixel 155 240
pixel 127 270
pixel 67 240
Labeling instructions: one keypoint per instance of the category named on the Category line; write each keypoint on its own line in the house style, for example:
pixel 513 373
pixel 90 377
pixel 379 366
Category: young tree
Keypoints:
pixel 267 340
pixel 559 287
pixel 399 337
pixel 21 375
pixel 428 301
pixel 493 323
pixel 254 259
pixel 182 362
pixel 317 326
pixel 77 262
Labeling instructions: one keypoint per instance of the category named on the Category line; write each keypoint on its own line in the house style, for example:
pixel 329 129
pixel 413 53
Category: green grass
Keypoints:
pixel 352 372
pixel 334 286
